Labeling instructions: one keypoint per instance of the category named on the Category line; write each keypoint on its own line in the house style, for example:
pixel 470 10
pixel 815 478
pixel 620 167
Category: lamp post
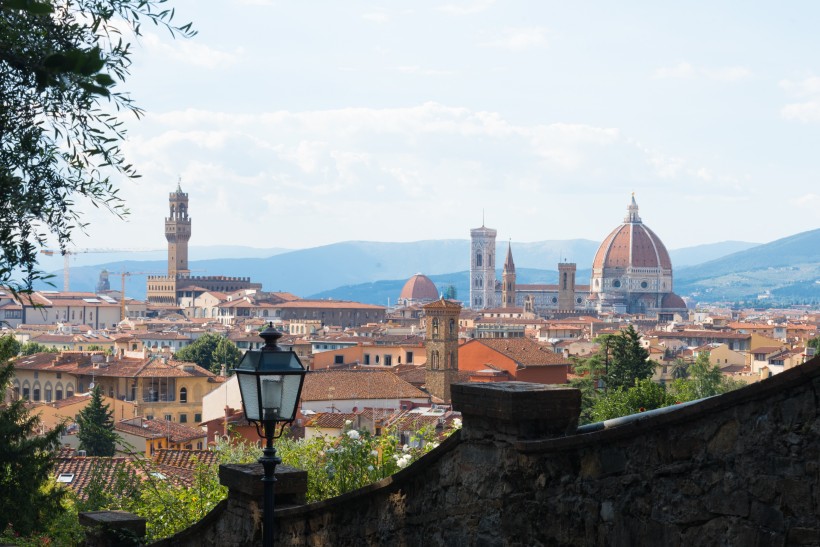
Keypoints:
pixel 270 384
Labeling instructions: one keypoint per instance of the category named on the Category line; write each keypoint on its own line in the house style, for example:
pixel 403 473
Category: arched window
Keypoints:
pixel 435 327
pixel 478 260
pixel 565 280
pixel 452 327
pixel 434 359
pixel 183 395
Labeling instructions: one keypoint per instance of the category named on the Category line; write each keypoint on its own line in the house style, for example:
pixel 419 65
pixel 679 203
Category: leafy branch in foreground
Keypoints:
pixel 61 134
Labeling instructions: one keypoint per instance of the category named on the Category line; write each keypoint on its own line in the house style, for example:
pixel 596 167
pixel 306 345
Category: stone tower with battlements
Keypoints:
pixel 178 232
pixel 441 343
pixel 482 268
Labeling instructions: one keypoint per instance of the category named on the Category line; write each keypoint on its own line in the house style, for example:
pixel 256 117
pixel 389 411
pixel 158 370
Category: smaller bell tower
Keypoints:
pixel 508 281
pixel 566 286
pixel 441 343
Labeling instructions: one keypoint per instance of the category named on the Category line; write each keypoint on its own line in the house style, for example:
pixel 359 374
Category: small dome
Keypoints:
pixel 419 288
pixel 673 301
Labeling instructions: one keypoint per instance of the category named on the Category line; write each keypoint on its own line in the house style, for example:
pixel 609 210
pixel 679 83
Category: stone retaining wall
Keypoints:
pixel 739 469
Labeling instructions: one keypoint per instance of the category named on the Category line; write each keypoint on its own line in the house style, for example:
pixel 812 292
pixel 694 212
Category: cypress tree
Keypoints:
pixel 96 422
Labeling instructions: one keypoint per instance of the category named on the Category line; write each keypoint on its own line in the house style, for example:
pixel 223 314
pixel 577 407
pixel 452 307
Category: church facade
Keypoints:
pixel 631 274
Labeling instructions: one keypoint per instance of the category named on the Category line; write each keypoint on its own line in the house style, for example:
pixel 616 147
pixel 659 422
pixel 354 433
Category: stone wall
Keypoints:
pixel 739 469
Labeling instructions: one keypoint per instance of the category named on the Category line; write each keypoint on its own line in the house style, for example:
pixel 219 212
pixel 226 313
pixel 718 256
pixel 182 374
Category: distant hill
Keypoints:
pixel 690 256
pixel 373 271
pixel 788 268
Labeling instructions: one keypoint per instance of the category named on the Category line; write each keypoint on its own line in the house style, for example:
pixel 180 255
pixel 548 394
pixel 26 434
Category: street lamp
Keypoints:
pixel 270 384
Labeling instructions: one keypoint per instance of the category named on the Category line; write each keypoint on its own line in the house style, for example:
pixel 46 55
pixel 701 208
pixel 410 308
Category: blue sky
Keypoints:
pixel 296 124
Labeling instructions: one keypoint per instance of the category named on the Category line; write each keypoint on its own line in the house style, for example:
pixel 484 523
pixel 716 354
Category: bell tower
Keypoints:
pixel 441 343
pixel 508 281
pixel 178 232
pixel 566 286
pixel 482 268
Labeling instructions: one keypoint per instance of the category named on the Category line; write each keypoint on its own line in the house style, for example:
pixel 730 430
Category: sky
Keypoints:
pixel 299 124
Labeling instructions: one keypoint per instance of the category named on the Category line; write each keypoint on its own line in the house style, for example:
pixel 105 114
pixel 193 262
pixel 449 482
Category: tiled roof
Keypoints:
pixel 328 304
pixel 185 459
pixel 442 304
pixel 524 351
pixel 79 471
pixel 357 384
pixel 152 429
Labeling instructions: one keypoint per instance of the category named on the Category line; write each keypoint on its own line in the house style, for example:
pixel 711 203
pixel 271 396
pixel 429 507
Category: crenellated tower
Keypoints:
pixel 178 232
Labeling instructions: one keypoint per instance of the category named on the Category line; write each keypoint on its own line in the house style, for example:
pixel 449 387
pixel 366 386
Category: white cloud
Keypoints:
pixel 806 112
pixel 687 71
pixel 466 8
pixel 189 51
pixel 808 201
pixel 804 88
pixel 517 39
pixel 379 16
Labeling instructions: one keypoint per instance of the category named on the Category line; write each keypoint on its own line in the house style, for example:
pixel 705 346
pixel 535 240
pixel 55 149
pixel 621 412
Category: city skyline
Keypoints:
pixel 295 126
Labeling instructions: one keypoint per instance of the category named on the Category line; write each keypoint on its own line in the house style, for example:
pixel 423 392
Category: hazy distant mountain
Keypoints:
pixel 788 268
pixel 690 256
pixel 343 268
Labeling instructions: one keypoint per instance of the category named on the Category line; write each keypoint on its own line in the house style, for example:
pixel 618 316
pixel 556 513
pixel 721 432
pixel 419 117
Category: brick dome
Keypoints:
pixel 632 245
pixel 419 288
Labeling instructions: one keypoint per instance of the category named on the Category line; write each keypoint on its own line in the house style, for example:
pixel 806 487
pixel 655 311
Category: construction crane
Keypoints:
pixel 123 275
pixel 69 252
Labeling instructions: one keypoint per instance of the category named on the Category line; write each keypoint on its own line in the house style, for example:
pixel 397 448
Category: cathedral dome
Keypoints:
pixel 418 288
pixel 632 245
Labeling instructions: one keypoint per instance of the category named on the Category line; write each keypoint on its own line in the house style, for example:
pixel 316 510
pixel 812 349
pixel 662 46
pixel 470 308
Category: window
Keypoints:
pixel 25 393
pixel 36 395
pixel 197 418
pixel 36 374
pixel 183 395
pixel 183 418
pixel 409 357
pixel 167 417
pixel 48 394
pixel 59 375
pixel 388 360
pixel 338 359
pixel 149 417
pixel 366 358
pixel 58 394
pixel 616 283
pixel 435 327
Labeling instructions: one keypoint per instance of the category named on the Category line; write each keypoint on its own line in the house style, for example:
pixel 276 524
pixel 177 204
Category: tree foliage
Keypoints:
pixel 30 348
pixel 628 361
pixel 814 343
pixel 61 67
pixel 96 422
pixel 9 347
pixel 27 502
pixel 211 351
pixel 643 395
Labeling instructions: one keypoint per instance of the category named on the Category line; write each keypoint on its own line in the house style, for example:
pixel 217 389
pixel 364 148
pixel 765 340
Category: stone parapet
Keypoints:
pixel 516 410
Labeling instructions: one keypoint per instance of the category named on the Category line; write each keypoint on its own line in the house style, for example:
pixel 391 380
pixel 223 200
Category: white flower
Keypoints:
pixel 433 445
pixel 348 422
pixel 404 461
pixel 353 434
pixel 405 448
pixel 457 423
pixel 374 453
pixel 370 468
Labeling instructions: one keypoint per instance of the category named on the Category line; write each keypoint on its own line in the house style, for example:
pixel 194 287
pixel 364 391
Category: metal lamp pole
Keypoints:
pixel 269 461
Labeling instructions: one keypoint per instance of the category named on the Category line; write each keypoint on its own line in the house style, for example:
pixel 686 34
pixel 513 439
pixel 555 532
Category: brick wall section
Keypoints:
pixel 740 469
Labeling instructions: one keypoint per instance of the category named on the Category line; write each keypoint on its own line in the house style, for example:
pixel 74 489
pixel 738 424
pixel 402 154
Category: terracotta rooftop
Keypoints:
pixel 154 429
pixel 419 287
pixel 78 472
pixel 328 385
pixel 524 351
pixel 330 420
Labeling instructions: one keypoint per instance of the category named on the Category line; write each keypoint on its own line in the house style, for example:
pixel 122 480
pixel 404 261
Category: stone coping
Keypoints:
pixel 640 425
